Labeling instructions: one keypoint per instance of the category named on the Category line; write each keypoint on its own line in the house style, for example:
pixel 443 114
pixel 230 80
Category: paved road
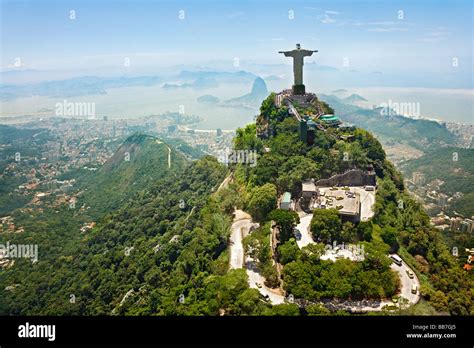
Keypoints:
pixel 274 295
pixel 303 234
pixel 406 283
pixel 240 228
pixel 405 291
pixel 236 248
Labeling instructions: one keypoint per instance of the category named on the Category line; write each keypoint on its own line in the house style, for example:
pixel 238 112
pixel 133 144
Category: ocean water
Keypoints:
pixel 449 105
pixel 454 105
pixel 134 102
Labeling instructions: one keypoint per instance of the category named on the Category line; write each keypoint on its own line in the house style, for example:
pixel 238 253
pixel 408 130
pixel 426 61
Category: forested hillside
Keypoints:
pixel 419 133
pixel 161 243
pixel 135 165
pixel 455 167
pixel 23 142
pixel 399 225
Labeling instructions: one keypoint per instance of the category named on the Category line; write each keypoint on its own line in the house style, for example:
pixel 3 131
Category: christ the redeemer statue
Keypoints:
pixel 298 54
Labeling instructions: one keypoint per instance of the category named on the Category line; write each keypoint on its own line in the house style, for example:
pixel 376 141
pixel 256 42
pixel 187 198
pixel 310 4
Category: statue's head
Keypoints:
pixel 298 46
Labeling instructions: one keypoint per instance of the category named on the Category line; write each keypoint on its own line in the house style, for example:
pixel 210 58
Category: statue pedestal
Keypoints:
pixel 299 90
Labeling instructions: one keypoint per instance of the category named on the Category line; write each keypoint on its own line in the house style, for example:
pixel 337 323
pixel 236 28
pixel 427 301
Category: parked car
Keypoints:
pixel 414 289
pixel 297 233
pixel 259 285
pixel 410 274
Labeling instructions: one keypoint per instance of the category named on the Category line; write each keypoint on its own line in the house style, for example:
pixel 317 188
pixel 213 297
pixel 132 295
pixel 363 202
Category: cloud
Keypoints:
pixel 327 20
pixel 328 17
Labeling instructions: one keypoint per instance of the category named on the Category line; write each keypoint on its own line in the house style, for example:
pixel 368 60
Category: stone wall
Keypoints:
pixel 353 177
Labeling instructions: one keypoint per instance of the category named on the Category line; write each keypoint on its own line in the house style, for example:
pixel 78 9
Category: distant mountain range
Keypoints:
pixel 339 91
pixel 354 98
pixel 220 76
pixel 207 98
pixel 87 85
pixel 419 133
pixel 201 82
pixel 95 85
pixel 357 100
pixel 250 100
pixel 258 93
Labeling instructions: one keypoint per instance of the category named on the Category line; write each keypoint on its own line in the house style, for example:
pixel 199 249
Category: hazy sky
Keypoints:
pixel 389 36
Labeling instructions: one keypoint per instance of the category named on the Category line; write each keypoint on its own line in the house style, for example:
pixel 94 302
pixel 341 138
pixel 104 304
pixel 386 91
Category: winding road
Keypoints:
pixel 303 235
pixel 303 238
pixel 236 248
pixel 241 228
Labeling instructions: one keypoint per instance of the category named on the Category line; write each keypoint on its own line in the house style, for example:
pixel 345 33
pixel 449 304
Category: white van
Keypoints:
pixel 396 259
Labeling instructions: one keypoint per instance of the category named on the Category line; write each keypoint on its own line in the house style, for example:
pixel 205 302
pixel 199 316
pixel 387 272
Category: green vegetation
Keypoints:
pixel 463 205
pixel 418 133
pixel 137 164
pixel 257 245
pixel 286 309
pixel 395 226
pixel 311 278
pixel 160 246
pixel 262 200
pixel 26 142
pixel 454 166
pixel 326 225
pixel 288 251
pixel 425 245
pixel 286 220
pixel 289 161
pixel 176 250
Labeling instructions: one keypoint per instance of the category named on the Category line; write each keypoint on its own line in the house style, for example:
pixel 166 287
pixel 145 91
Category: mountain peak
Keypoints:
pixel 259 87
pixel 354 98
